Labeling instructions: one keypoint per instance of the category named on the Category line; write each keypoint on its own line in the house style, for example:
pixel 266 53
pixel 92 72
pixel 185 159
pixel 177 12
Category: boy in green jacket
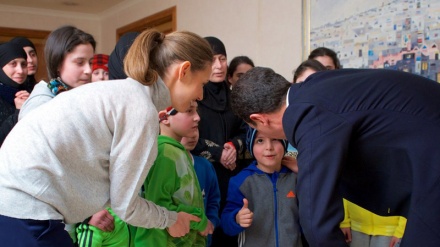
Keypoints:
pixel 172 181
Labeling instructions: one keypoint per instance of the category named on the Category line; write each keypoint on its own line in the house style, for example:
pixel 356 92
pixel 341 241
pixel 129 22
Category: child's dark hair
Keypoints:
pixel 323 51
pixel 307 64
pixel 260 90
pixel 236 62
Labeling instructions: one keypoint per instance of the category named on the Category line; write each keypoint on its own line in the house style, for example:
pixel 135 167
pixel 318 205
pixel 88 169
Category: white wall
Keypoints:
pixel 267 31
pixel 30 18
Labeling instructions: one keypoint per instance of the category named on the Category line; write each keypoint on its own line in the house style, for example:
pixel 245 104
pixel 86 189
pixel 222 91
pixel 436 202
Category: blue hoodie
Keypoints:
pixel 272 199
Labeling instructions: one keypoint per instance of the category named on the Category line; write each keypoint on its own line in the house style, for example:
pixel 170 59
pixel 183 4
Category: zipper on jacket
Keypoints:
pixel 274 179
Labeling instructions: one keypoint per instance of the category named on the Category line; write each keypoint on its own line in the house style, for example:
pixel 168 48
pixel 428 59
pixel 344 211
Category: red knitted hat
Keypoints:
pixel 100 61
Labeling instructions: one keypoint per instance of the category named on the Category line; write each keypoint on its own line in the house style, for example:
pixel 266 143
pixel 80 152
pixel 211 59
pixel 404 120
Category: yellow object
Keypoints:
pixel 362 220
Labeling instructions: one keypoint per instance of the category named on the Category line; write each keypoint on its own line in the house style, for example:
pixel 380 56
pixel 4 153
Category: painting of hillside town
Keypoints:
pixel 391 34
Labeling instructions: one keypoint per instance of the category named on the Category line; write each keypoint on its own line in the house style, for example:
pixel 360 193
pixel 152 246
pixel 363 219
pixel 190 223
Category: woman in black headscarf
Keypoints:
pixel 222 134
pixel 32 61
pixel 13 74
pixel 116 59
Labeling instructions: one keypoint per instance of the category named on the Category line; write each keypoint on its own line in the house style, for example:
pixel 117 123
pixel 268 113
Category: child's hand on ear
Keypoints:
pixel 245 216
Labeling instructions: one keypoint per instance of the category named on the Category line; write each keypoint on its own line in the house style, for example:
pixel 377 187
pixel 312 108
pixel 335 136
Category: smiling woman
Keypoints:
pixel 68 53
pixel 12 74
pixel 32 60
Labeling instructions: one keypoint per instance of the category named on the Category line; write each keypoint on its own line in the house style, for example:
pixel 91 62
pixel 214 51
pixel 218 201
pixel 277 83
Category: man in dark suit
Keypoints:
pixel 370 136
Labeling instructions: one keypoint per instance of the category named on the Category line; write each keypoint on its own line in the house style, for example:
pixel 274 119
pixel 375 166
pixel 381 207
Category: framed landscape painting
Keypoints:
pixel 391 34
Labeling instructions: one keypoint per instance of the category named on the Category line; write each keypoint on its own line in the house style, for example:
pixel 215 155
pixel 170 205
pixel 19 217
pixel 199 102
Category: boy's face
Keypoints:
pixel 190 142
pixel 185 123
pixel 268 152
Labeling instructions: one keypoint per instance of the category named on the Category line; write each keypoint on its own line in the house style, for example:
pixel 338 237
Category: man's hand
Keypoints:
pixel 347 233
pixel 245 216
pixel 394 241
pixel 181 227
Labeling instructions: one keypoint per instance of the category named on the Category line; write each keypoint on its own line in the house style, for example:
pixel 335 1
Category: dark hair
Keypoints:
pixel 116 59
pixel 152 52
pixel 308 64
pixel 60 42
pixel 236 61
pixel 23 42
pixel 323 51
pixel 260 90
pixel 217 45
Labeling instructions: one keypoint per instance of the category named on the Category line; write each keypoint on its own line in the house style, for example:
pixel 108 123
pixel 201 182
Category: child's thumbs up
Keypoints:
pixel 245 203
pixel 244 216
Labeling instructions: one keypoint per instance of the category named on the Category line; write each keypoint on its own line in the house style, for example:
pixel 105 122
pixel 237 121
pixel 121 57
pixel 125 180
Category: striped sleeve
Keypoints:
pixel 89 236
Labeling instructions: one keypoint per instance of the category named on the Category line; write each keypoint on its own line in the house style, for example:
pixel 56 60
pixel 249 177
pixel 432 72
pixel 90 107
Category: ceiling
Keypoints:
pixel 81 6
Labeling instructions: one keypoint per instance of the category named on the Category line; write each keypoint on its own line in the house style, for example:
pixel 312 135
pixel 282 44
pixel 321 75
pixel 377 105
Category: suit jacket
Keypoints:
pixel 372 137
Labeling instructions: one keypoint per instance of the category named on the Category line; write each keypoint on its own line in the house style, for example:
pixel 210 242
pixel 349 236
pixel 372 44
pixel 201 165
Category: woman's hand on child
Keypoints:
pixel 291 163
pixel 245 215
pixel 208 230
pixel 229 156
pixel 181 227
pixel 103 220
pixel 394 241
pixel 347 233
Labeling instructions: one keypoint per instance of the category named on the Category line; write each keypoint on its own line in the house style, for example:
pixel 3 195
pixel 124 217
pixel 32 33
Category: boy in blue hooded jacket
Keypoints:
pixel 261 203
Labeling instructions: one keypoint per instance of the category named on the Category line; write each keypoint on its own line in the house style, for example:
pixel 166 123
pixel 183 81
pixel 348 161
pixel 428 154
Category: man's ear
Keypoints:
pixel 259 119
pixel 184 69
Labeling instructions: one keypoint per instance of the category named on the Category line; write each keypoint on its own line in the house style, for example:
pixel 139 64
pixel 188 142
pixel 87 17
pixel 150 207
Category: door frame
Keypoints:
pixel 164 21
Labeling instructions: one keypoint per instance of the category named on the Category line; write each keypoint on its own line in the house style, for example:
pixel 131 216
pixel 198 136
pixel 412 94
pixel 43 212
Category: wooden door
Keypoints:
pixel 164 21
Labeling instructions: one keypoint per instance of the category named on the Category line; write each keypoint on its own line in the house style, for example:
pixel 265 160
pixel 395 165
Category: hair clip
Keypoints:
pixel 171 111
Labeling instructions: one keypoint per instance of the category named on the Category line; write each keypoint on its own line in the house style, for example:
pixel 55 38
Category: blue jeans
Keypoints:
pixel 33 233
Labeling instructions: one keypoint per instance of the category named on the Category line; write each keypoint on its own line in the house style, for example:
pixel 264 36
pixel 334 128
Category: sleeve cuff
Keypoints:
pixel 172 218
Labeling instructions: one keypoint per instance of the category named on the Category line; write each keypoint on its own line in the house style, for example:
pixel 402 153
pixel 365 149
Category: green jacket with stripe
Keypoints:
pixel 172 183
pixel 91 236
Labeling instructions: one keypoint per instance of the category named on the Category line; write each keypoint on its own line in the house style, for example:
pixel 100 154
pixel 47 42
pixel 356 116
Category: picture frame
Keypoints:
pixel 378 34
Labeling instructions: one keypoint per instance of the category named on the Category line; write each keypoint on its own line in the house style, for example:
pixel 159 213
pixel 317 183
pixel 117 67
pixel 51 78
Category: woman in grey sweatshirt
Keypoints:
pixel 92 147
